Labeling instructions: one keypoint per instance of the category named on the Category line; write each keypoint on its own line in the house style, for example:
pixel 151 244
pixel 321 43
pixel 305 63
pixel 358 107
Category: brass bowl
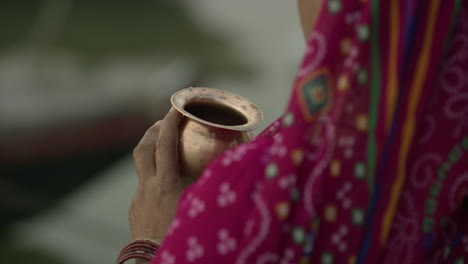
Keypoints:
pixel 214 121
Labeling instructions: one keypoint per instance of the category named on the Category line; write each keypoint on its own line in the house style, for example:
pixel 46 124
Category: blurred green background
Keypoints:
pixel 80 81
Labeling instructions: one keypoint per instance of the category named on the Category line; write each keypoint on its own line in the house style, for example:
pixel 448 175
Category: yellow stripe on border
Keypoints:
pixel 408 128
pixel 392 64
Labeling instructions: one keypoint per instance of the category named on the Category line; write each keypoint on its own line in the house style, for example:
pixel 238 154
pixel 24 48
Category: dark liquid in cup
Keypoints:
pixel 216 113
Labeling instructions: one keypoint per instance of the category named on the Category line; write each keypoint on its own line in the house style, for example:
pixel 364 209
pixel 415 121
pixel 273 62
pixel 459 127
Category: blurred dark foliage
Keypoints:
pixel 36 175
pixel 95 30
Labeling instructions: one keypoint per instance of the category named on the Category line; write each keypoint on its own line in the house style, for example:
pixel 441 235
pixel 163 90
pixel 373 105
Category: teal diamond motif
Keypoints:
pixel 359 170
pixel 431 205
pixel 435 189
pixel 271 170
pixel 427 224
pixel 363 32
pixel 441 173
pixel 362 76
pixel 288 119
pixel 316 94
pixel 454 155
pixel 295 194
pixel 327 258
pixel 465 143
pixel 358 216
pixel 447 250
pixel 334 6
pixel 445 166
pixel 298 235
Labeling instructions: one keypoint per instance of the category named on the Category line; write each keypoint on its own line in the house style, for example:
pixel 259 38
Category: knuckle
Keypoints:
pixel 165 191
pixel 163 144
pixel 153 130
pixel 155 127
pixel 137 152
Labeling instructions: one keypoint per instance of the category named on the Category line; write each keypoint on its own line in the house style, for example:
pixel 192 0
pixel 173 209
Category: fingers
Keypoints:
pixel 167 149
pixel 144 153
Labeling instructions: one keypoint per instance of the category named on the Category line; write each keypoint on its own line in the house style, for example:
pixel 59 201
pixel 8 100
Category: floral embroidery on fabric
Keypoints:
pixel 167 258
pixel 226 196
pixel 174 225
pixel 288 256
pixel 225 242
pixel 197 207
pixel 267 258
pixel 235 155
pixel 195 250
pixel 287 181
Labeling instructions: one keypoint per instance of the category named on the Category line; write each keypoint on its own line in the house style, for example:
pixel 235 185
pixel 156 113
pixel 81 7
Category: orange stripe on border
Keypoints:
pixel 392 64
pixel 408 128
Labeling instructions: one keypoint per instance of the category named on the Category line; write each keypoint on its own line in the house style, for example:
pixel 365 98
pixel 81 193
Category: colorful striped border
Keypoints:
pixel 409 123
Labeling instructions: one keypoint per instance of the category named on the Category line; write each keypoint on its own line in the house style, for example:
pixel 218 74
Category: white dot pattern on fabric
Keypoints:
pixel 205 176
pixel 226 196
pixel 267 258
pixel 346 203
pixel 356 67
pixel 287 181
pixel 167 258
pixel 273 128
pixel 195 250
pixel 348 153
pixel 288 256
pixel 337 238
pixel 278 150
pixel 258 239
pixel 347 186
pixel 343 229
pixel 353 54
pixel 188 198
pixel 197 206
pixel 341 194
pixel 353 18
pixel 236 155
pixel 174 225
pixel 346 141
pixel 278 138
pixel 226 243
pixel 342 247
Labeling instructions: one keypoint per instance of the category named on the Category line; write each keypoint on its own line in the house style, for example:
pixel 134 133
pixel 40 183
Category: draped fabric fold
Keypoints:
pixel 368 164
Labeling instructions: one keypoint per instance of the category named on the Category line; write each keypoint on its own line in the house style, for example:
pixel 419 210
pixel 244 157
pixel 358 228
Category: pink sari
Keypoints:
pixel 369 163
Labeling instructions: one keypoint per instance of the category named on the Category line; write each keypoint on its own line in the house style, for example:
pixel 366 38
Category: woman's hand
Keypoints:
pixel 156 161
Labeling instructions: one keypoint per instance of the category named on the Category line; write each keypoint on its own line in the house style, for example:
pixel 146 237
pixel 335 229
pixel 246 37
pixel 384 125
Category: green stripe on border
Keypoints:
pixel 375 94
pixel 453 23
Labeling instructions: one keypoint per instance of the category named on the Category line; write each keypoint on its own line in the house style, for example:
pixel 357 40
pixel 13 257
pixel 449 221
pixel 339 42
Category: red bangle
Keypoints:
pixel 141 248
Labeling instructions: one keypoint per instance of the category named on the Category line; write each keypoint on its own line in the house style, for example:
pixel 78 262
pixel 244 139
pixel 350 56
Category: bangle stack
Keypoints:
pixel 139 248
